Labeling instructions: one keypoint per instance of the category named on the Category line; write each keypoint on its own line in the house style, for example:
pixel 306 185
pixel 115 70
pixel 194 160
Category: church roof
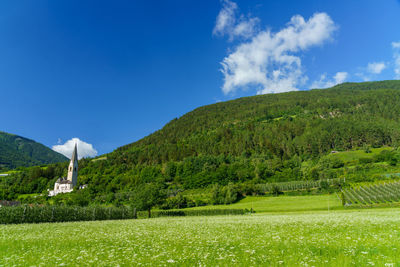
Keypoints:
pixel 74 155
pixel 63 180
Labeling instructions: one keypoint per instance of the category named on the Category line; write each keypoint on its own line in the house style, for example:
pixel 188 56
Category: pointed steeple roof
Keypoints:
pixel 74 155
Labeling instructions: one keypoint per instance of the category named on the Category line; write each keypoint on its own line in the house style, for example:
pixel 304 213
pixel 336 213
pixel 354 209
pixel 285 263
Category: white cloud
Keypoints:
pixel 226 18
pixel 269 61
pixel 376 67
pixel 396 57
pixel 245 28
pixel 340 77
pixel 323 82
pixel 84 149
pixel 228 24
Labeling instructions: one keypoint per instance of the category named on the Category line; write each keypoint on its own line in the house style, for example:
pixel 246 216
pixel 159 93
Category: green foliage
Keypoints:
pixel 177 202
pixel 41 214
pixel 224 194
pixel 365 160
pixel 275 190
pixel 367 149
pixel 147 196
pixel 340 118
pixel 324 185
pixel 31 180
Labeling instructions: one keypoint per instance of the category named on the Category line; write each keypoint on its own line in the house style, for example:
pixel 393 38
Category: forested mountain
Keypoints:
pixel 305 124
pixel 251 140
pixel 18 151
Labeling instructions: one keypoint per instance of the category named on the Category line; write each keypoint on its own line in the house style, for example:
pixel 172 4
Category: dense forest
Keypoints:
pixel 16 151
pixel 227 148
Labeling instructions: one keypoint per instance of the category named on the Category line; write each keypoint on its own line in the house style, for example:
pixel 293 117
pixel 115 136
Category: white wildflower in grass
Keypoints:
pixel 337 238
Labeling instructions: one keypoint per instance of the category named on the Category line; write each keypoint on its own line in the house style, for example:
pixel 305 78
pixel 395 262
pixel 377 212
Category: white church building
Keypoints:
pixel 67 184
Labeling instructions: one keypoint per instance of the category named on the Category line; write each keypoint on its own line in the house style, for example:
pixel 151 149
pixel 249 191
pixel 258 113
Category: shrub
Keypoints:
pixel 224 194
pixel 275 190
pixel 323 185
pixel 176 202
pixel 365 160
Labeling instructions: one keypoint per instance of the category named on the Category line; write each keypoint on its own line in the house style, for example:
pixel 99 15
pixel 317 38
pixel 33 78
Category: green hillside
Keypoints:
pixel 16 151
pixel 248 141
pixel 306 123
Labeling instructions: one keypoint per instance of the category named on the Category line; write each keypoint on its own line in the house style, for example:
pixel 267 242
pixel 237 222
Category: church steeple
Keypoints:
pixel 74 154
pixel 73 167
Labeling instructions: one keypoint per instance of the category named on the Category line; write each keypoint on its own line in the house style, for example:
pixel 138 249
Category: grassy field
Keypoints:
pixel 319 238
pixel 283 203
pixel 353 156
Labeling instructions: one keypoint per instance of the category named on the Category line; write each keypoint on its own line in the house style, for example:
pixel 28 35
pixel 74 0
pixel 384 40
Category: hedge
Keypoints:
pixel 41 214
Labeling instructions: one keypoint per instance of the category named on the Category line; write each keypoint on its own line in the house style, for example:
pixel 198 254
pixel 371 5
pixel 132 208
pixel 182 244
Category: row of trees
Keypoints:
pixel 107 184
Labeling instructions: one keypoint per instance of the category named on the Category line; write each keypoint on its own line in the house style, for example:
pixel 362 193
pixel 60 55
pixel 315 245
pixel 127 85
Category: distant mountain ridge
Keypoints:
pixel 16 151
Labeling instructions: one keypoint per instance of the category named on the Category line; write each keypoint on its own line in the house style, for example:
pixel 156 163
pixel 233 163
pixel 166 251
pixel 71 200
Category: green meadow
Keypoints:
pixel 339 238
pixel 352 156
pixel 283 203
pixel 285 231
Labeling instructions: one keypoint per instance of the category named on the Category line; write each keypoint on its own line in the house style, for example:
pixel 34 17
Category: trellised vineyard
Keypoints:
pixel 300 185
pixel 377 193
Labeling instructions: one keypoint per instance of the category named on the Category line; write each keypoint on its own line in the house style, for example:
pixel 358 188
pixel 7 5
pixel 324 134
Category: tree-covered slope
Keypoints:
pixel 248 141
pixel 264 138
pixel 18 151
pixel 305 123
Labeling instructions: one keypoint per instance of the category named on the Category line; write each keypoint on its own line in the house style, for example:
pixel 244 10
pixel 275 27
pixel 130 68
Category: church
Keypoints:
pixel 67 184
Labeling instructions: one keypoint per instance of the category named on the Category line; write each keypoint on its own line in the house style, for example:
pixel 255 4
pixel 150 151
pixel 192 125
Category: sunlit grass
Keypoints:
pixel 283 203
pixel 336 238
pixel 353 156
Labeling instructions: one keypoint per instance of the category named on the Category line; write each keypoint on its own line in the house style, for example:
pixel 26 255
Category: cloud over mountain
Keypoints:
pixel 376 67
pixel 84 149
pixel 324 82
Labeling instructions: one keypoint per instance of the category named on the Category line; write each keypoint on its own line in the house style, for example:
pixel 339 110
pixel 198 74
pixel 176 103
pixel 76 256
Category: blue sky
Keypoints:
pixel 112 72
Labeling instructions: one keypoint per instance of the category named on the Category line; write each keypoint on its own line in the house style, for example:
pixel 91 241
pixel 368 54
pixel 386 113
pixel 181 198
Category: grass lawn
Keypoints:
pixel 353 156
pixel 283 203
pixel 319 238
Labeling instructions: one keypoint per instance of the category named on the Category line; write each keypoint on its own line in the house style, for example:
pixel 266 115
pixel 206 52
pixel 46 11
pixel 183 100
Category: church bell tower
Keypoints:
pixel 73 168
